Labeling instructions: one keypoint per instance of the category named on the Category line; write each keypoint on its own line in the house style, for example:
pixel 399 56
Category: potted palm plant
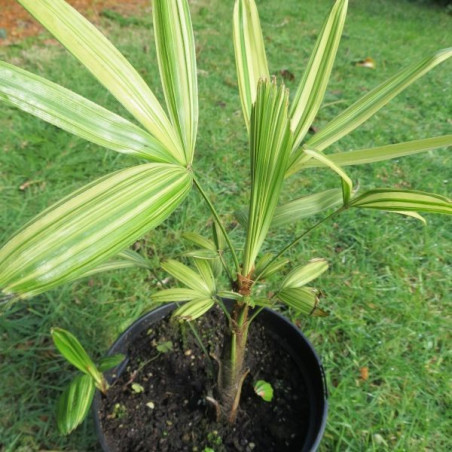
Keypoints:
pixel 91 230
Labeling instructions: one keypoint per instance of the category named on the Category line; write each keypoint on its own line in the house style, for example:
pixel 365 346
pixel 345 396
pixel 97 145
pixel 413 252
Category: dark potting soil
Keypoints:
pixel 159 402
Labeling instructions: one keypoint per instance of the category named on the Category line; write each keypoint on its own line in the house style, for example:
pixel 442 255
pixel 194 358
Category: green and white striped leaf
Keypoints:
pixel 199 240
pixel 74 404
pixel 177 295
pixel 414 215
pixel 78 115
pixel 270 146
pixel 266 267
pixel 108 362
pixel 90 226
pixel 125 259
pixel 403 201
pixel 218 237
pixel 307 206
pixel 250 58
pixel 347 184
pixel 69 346
pixel 201 254
pixel 194 309
pixel 302 275
pixel 381 153
pixel 367 106
pixel 230 295
pixel 373 101
pixel 109 66
pixel 205 271
pixel 177 63
pixel 312 87
pixel 186 276
pixel 304 300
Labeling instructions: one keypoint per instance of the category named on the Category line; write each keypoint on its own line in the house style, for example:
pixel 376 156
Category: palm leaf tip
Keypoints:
pixel 250 57
pixel 177 63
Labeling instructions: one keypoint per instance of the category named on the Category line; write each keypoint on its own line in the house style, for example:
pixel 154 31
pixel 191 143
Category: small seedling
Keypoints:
pixel 73 405
pixel 137 388
pixel 165 347
pixel 264 390
pixel 119 411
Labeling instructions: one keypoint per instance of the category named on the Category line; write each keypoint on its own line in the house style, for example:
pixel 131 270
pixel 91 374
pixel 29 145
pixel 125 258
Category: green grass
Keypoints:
pixel 387 290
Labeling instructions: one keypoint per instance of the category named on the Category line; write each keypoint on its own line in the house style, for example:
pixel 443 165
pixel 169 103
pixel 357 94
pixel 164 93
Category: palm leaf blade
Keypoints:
pixel 307 206
pixel 90 226
pixel 76 114
pixel 250 58
pixel 373 101
pixel 382 153
pixel 270 146
pixel 74 404
pixel 177 63
pixel 403 201
pixel 312 87
pixel 108 65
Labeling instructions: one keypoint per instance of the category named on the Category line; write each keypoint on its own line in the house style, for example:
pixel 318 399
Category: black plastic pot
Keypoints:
pixel 291 339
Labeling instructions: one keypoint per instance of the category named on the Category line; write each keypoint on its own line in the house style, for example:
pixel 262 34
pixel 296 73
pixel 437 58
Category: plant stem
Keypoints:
pixel 232 372
pixel 220 224
pixel 296 240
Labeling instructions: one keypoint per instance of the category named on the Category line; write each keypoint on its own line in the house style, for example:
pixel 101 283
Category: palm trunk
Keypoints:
pixel 233 372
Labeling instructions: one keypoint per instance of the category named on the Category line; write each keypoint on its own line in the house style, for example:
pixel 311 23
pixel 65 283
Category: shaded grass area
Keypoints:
pixel 384 346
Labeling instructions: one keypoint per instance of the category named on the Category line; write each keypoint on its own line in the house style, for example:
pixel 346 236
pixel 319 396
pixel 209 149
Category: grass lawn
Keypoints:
pixel 384 345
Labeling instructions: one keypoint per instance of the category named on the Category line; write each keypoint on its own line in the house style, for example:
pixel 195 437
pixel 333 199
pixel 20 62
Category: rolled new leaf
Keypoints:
pixel 74 404
pixel 108 65
pixel 90 226
pixel 78 115
pixel 303 300
pixel 250 58
pixel 302 275
pixel 177 63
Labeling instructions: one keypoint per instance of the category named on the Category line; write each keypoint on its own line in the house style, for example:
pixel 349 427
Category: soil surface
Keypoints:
pixel 16 23
pixel 159 401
